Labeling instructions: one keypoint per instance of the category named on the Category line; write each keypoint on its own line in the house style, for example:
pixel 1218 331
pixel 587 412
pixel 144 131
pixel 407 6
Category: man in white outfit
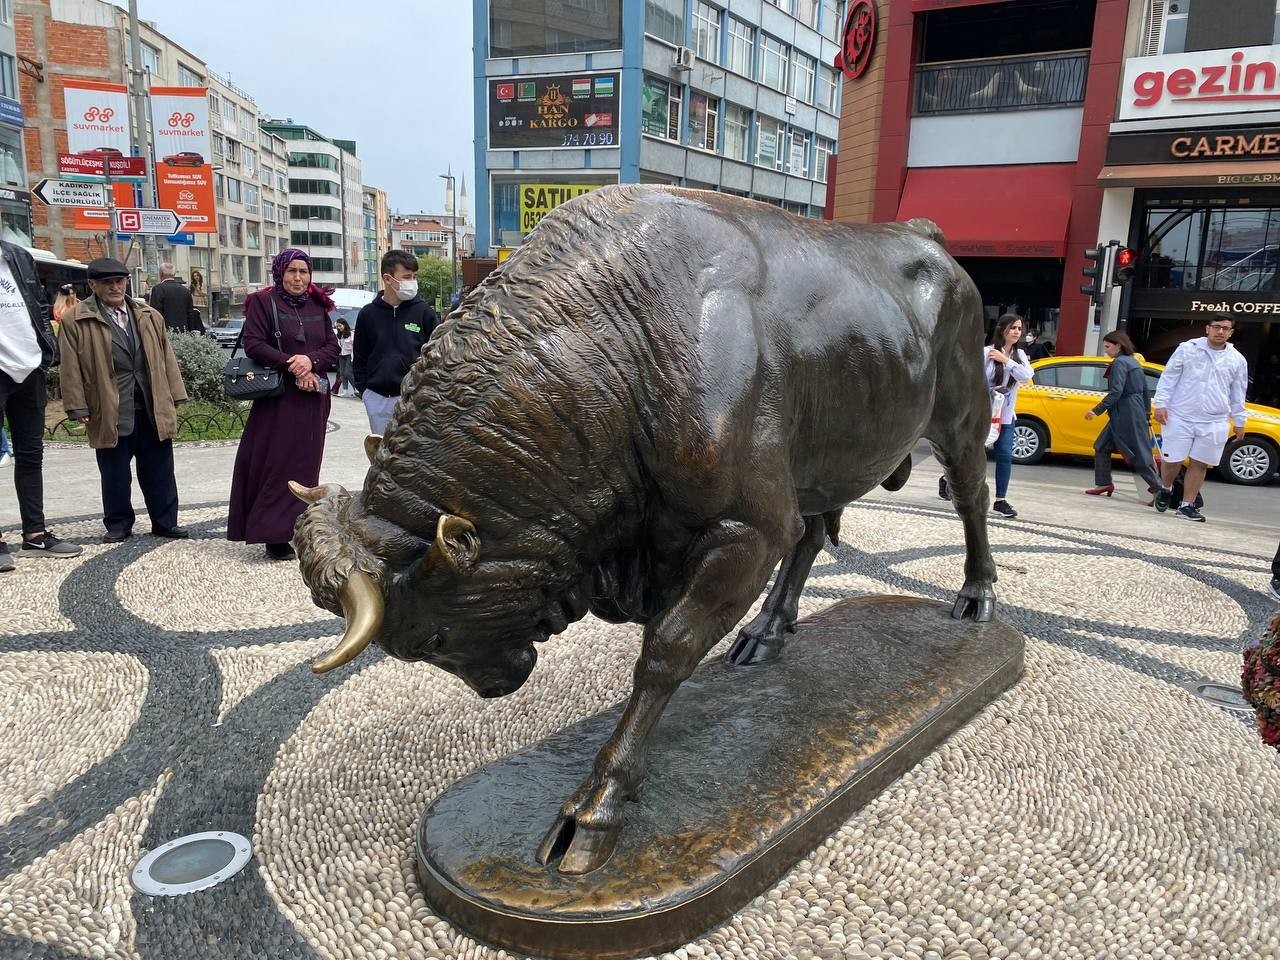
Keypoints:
pixel 1203 384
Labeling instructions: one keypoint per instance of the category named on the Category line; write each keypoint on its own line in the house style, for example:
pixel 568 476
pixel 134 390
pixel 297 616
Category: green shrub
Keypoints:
pixel 201 362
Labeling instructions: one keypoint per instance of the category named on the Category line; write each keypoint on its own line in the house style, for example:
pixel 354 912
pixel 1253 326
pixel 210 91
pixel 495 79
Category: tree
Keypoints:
pixel 435 281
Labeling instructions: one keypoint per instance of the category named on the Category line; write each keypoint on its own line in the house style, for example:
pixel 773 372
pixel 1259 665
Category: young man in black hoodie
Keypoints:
pixel 390 333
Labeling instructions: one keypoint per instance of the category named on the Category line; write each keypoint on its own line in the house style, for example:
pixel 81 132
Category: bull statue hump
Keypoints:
pixel 662 395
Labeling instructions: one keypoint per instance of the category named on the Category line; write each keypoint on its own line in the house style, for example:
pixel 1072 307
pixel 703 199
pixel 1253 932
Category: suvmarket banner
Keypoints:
pixel 180 125
pixel 97 116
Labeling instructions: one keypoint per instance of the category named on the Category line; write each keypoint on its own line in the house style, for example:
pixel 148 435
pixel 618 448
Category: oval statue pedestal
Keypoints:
pixel 750 769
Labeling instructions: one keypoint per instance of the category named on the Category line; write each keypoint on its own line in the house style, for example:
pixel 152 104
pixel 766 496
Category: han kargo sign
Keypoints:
pixel 565 110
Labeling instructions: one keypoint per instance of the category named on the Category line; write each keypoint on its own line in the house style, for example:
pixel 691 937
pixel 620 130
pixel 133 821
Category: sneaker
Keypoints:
pixel 1189 511
pixel 943 492
pixel 1002 507
pixel 47 545
pixel 6 561
pixel 1162 499
pixel 1273 587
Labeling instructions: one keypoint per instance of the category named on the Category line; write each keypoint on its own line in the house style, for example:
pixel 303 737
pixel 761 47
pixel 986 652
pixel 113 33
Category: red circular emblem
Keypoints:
pixel 859 39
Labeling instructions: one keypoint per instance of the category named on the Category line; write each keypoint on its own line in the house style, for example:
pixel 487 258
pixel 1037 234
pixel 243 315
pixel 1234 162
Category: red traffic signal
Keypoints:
pixel 1125 263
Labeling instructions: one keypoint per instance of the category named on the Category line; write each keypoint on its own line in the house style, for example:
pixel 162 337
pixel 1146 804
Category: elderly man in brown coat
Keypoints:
pixel 120 377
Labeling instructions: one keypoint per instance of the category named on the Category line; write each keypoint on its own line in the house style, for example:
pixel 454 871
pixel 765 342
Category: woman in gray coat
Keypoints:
pixel 1128 404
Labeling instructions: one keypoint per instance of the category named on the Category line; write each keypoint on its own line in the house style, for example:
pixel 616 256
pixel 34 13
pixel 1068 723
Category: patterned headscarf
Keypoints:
pixel 278 267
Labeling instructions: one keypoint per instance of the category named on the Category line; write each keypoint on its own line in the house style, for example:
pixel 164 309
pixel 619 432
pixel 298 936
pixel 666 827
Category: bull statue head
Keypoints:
pixel 355 563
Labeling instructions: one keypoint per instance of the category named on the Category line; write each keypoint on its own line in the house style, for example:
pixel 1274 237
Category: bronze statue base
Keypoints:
pixel 750 769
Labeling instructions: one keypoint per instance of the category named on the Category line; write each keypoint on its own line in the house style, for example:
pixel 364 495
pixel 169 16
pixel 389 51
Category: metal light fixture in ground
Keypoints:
pixel 1223 696
pixel 194 862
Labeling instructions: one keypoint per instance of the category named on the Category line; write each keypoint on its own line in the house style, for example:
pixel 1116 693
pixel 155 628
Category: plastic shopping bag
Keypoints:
pixel 997 408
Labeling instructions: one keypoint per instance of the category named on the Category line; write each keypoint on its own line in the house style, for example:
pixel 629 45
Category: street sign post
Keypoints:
pixel 147 220
pixel 70 193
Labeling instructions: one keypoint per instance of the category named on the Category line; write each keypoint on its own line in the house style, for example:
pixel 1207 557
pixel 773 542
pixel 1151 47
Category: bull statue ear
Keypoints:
pixel 456 544
pixel 371 443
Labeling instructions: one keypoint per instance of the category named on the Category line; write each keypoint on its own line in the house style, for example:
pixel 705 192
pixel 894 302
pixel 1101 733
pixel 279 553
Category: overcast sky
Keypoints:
pixel 394 77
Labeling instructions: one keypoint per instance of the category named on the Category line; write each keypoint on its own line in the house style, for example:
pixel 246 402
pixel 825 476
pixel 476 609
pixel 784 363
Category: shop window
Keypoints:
pixel 11 172
pixel 737 135
pixel 706 32
pixel 704 113
pixel 531 28
pixel 1215 249
pixel 660 116
pixel 742 45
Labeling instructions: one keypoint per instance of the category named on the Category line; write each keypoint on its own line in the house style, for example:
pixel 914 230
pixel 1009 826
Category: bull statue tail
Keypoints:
pixel 926 227
pixel 898 479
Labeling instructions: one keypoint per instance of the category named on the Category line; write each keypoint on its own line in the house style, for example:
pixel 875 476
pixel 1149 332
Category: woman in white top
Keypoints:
pixel 1007 368
pixel 344 385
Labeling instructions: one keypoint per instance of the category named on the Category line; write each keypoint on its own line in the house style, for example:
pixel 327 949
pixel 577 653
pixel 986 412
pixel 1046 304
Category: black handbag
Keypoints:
pixel 245 378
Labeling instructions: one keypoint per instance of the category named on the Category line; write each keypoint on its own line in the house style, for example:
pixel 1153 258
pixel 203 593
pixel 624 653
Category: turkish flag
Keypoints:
pixel 506 91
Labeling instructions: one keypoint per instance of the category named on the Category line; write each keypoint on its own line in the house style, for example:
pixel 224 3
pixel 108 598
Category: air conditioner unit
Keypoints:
pixel 683 58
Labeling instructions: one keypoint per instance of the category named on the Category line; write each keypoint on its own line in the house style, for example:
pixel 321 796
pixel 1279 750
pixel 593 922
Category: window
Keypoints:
pixel 233 190
pixel 769 137
pixel 1079 376
pixel 253 235
pixel 222 235
pixel 665 19
pixel 737 136
pixel 268 177
pixel 255 270
pixel 784 5
pixel 225 260
pixel 773 63
pixel 235 235
pixel 828 90
pixel 282 182
pixel 742 42
pixel 706 31
pixel 798 155
pixel 8 76
pixel 249 164
pixel 833 19
pixel 219 186
pixel 306 211
pixel 6 11
pixel 250 198
pixel 248 124
pixel 233 151
pixel 11 166
pixel 150 59
pixel 704 112
pixel 660 116
pixel 188 77
pixel 237 269
pixel 228 111
pixel 268 211
pixel 323 187
pixel 215 105
pixel 219 146
pixel 532 28
pixel 803 68
pixel 807 12
pixel 825 148
pixel 313 161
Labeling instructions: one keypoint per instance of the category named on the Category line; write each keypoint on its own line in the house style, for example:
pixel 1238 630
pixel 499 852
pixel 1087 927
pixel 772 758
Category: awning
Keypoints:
pixel 1014 211
pixel 1218 173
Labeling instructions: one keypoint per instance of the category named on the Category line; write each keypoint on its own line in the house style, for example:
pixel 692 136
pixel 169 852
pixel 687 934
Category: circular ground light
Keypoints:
pixel 1228 698
pixel 194 862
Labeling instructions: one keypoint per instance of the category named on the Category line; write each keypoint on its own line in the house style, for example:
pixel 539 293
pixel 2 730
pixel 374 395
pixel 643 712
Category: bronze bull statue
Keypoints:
pixel 660 396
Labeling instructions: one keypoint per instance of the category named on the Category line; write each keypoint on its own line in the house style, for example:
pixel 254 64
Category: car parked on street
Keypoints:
pixel 1050 419
pixel 226 333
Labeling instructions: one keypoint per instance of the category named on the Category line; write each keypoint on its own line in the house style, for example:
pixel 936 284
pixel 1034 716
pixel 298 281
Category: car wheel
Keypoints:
pixel 1252 461
pixel 1030 441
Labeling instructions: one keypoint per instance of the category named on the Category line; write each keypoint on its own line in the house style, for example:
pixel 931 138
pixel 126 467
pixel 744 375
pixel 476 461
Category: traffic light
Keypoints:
pixel 1125 263
pixel 1093 270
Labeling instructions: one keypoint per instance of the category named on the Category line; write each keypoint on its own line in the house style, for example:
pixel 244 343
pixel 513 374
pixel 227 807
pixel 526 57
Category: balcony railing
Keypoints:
pixel 1003 83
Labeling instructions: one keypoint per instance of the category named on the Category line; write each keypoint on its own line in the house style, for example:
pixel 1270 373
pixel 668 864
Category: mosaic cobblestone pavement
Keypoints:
pixel 1098 809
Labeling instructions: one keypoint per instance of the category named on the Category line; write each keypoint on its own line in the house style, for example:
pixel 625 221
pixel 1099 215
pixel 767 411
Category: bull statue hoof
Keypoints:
pixel 757 644
pixel 976 601
pixel 574 848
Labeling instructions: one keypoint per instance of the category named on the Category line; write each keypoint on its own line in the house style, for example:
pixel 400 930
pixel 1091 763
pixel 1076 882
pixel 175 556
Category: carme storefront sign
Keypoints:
pixel 1216 82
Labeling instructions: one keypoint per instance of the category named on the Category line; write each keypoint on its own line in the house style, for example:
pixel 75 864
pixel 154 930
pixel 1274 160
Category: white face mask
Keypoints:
pixel 407 289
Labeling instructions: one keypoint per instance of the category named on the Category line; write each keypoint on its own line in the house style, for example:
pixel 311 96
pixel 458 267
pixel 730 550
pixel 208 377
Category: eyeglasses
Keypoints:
pixel 1222 326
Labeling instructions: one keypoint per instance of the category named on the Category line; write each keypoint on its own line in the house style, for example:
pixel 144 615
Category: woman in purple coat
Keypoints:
pixel 284 438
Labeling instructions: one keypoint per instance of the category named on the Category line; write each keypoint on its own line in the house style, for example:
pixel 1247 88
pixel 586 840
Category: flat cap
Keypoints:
pixel 105 268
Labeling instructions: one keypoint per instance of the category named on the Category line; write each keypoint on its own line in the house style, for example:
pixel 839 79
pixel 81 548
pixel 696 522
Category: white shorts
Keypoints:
pixel 1203 442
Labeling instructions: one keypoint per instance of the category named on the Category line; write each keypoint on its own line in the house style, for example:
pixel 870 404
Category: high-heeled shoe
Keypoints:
pixel 1107 488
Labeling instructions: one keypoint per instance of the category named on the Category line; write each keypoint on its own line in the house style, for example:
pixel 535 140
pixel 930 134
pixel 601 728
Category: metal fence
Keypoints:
pixel 191 427
pixel 1003 83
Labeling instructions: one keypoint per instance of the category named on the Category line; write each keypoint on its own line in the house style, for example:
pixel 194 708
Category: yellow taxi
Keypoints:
pixel 1050 419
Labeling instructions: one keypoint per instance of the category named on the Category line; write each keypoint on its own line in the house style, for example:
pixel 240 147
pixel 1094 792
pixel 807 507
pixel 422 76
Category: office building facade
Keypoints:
pixel 737 95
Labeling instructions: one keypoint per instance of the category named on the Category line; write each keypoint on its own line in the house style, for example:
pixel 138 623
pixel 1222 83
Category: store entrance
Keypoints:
pixel 1031 287
pixel 1259 343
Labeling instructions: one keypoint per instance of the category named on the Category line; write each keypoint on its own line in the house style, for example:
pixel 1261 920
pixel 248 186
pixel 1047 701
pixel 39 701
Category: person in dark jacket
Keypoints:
pixel 1128 407
pixel 27 350
pixel 171 298
pixel 390 333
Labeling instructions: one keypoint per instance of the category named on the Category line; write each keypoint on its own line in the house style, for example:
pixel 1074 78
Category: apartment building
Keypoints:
pixel 733 95
pixel 377 234
pixel 326 203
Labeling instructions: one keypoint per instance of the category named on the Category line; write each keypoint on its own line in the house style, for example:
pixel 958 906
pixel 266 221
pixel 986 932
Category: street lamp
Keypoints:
pixel 453 237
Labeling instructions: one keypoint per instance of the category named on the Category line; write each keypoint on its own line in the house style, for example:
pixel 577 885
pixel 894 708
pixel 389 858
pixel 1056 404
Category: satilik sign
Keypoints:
pixel 539 199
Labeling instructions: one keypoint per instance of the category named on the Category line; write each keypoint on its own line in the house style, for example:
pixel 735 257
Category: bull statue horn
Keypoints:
pixel 363 609
pixel 371 446
pixel 314 494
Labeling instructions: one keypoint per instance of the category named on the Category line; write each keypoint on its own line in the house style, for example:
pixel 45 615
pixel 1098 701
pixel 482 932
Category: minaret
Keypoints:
pixel 462 207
